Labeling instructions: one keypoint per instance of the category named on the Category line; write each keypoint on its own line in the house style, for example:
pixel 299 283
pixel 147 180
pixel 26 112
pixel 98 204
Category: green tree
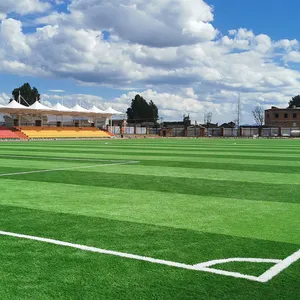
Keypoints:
pixel 295 102
pixel 154 111
pixel 142 111
pixel 27 93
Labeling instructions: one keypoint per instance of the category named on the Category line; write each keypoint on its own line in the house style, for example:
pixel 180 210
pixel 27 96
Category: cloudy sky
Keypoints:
pixel 188 56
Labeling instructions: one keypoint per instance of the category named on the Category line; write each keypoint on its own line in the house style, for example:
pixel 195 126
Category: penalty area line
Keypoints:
pixel 281 265
pixel 69 168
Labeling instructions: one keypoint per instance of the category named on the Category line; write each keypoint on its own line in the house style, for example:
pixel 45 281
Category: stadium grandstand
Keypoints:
pixel 8 134
pixel 32 122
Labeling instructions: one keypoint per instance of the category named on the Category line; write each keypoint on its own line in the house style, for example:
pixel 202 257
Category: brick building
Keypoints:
pixel 282 117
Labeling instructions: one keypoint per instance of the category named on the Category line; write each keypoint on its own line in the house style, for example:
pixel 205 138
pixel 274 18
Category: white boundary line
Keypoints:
pixel 252 260
pixel 58 158
pixel 280 266
pixel 69 168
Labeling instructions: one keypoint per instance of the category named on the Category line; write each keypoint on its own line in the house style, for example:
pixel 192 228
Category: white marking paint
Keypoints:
pixel 223 261
pixel 198 267
pixel 57 158
pixel 69 168
pixel 279 267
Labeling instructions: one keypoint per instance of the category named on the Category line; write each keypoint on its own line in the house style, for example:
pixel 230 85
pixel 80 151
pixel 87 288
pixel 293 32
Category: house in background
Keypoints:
pixel 282 117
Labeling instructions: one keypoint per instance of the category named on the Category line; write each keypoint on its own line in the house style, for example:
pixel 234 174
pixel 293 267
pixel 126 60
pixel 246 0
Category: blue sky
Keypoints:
pixel 276 18
pixel 177 53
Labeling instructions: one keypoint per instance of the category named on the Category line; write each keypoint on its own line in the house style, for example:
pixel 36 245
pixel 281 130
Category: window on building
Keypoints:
pixel 276 116
pixel 294 115
pixel 286 116
pixel 294 124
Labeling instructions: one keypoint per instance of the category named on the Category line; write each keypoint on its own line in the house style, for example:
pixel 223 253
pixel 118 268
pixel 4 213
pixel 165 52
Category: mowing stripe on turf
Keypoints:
pixel 70 168
pixel 58 158
pixel 265 277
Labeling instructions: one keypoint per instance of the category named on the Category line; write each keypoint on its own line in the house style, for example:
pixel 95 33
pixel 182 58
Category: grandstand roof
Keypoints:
pixel 60 108
pixel 14 107
pixel 37 108
pixel 113 112
pixel 95 109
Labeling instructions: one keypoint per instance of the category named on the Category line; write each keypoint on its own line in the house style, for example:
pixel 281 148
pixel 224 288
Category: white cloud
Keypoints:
pixel 4 98
pixel 167 48
pixel 56 91
pixel 293 56
pixel 174 106
pixel 22 7
pixel 287 44
pixel 158 23
pixel 73 99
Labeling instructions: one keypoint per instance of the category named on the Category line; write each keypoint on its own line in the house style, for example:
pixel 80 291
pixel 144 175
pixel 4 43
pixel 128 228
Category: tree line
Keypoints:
pixel 140 111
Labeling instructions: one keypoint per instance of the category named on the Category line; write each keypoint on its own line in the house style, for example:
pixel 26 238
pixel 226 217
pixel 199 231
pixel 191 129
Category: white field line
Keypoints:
pixel 69 168
pixel 58 158
pixel 279 267
pixel 144 258
pixel 222 261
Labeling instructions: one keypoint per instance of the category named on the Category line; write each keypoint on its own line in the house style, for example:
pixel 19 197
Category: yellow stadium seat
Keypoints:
pixel 61 132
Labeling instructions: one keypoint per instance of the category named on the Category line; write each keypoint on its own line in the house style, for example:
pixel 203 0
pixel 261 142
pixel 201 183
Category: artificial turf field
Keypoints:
pixel 181 200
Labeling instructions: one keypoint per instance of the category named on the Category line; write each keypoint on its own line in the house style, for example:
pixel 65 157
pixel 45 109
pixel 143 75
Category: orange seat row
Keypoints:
pixel 63 132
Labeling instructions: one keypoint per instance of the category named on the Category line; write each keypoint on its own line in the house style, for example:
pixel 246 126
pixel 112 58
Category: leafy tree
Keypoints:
pixel 258 115
pixel 28 93
pixel 154 111
pixel 295 102
pixel 142 111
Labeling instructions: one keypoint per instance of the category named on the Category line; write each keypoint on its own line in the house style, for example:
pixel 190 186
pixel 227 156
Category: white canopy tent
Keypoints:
pixel 60 109
pixel 79 110
pixel 37 108
pixel 96 110
pixel 14 108
pixel 57 110
pixel 111 111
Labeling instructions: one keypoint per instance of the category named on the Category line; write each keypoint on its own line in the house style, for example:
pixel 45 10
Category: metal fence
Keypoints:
pixel 154 131
pixel 230 132
pixel 193 132
pixel 128 130
pixel 270 132
pixel 214 132
pixel 178 132
pixel 247 132
pixel 114 129
pixel 140 130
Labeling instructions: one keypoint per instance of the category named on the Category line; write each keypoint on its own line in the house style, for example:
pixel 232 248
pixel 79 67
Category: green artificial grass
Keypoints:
pixel 186 200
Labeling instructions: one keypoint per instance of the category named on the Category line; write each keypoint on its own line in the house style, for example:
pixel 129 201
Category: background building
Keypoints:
pixel 282 117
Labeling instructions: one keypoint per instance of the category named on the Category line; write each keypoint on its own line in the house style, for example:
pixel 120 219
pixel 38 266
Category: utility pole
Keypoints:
pixel 239 111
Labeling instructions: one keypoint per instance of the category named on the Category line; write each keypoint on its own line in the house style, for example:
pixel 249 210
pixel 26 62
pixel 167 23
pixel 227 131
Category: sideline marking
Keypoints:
pixel 58 158
pixel 69 168
pixel 265 277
